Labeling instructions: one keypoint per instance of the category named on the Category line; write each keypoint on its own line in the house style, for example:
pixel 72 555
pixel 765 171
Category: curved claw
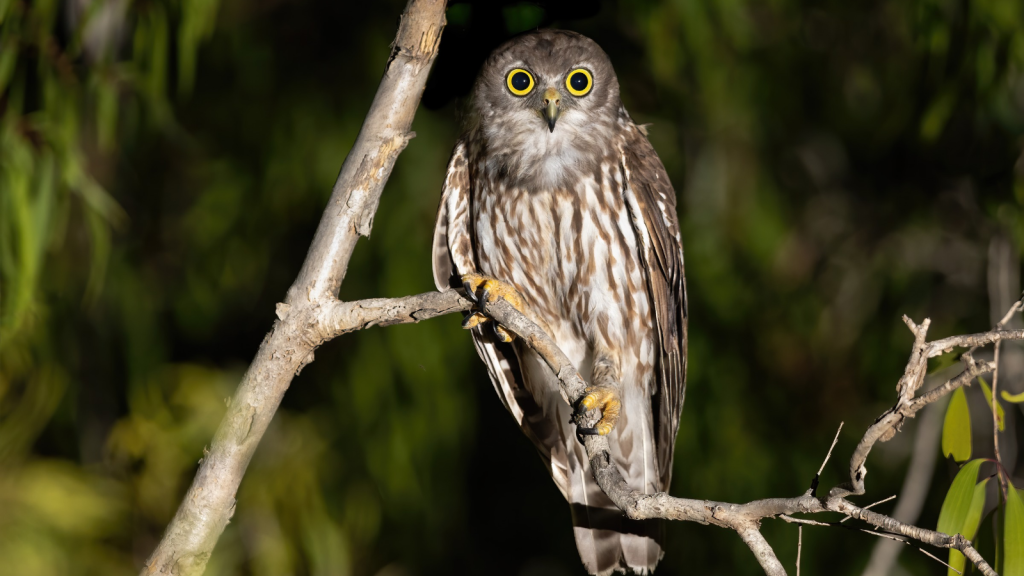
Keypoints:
pixel 606 399
pixel 470 292
pixel 502 334
pixel 473 320
pixel 491 289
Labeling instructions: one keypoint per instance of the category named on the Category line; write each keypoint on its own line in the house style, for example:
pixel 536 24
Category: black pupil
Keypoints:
pixel 579 81
pixel 520 81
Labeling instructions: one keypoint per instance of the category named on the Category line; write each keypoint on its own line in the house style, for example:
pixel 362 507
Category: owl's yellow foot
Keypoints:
pixel 477 318
pixel 490 289
pixel 473 320
pixel 606 399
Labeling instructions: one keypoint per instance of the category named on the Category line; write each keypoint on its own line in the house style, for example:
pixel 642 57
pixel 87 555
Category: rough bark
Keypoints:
pixel 210 501
pixel 745 518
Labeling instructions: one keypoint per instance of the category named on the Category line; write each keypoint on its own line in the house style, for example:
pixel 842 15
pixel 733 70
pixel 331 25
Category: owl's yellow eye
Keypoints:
pixel 520 82
pixel 579 82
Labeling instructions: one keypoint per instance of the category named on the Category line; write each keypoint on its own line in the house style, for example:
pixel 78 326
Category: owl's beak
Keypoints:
pixel 551 111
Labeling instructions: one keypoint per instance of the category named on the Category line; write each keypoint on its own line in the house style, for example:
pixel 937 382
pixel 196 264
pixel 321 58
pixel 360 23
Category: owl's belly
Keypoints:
pixel 573 255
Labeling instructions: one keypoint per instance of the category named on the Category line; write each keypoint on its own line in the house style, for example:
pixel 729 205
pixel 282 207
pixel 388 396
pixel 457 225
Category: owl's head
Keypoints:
pixel 545 103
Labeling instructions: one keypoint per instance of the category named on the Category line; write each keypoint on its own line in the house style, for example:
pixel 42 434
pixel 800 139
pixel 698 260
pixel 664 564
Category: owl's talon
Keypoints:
pixel 470 292
pixel 490 290
pixel 605 399
pixel 473 320
pixel 502 334
pixel 471 281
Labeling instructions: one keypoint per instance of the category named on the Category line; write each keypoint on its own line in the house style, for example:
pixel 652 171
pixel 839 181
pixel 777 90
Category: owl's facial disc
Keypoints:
pixel 546 109
pixel 551 110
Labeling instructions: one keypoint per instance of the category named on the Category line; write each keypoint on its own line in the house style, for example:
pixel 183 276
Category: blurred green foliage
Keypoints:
pixel 163 164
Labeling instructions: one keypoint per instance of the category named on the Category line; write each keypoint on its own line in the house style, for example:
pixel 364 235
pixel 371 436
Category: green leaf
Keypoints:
pixel 957 505
pixel 1012 398
pixel 970 527
pixel 956 430
pixel 1013 534
pixel 1000 417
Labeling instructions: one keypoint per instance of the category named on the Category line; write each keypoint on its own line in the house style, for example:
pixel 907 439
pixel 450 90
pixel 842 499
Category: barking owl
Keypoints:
pixel 555 200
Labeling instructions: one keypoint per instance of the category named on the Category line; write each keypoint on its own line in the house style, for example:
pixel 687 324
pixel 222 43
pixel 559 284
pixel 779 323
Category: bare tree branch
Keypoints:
pixel 799 547
pixel 337 318
pixel 210 502
pixel 939 560
pixel 995 395
pixel 745 518
pixel 916 484
pixel 752 537
pixel 940 347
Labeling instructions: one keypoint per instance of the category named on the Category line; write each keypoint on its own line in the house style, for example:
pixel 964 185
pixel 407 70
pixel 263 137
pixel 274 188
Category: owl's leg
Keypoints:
pixel 490 290
pixel 602 395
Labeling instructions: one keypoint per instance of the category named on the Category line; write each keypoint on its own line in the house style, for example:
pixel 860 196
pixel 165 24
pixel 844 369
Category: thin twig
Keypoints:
pixel 973 370
pixel 1017 306
pixel 937 559
pixel 940 347
pixel 995 391
pixel 799 546
pixel 817 477
pixel 995 386
pixel 883 535
pixel 931 537
pixel 995 415
pixel 830 448
pixel 807 521
pixel 872 505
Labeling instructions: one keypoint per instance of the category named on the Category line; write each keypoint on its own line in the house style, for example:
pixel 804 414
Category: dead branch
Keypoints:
pixel 337 318
pixel 745 518
pixel 210 501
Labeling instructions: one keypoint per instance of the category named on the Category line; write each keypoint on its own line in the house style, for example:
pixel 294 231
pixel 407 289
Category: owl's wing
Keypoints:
pixel 453 255
pixel 454 193
pixel 652 206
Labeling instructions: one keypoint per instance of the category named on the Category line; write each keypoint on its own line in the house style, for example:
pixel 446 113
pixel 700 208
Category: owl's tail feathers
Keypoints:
pixel 607 540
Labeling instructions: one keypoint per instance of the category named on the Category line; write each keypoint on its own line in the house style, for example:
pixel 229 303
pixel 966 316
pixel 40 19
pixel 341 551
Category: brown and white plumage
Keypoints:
pixel 578 215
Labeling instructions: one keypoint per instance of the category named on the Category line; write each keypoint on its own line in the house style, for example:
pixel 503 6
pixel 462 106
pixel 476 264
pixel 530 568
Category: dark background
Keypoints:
pixel 838 164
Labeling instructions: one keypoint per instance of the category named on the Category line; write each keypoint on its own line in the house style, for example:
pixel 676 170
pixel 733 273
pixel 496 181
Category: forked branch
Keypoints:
pixel 745 518
pixel 210 502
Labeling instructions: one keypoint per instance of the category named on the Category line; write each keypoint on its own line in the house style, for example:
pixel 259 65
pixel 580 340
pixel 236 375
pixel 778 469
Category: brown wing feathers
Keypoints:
pixel 649 184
